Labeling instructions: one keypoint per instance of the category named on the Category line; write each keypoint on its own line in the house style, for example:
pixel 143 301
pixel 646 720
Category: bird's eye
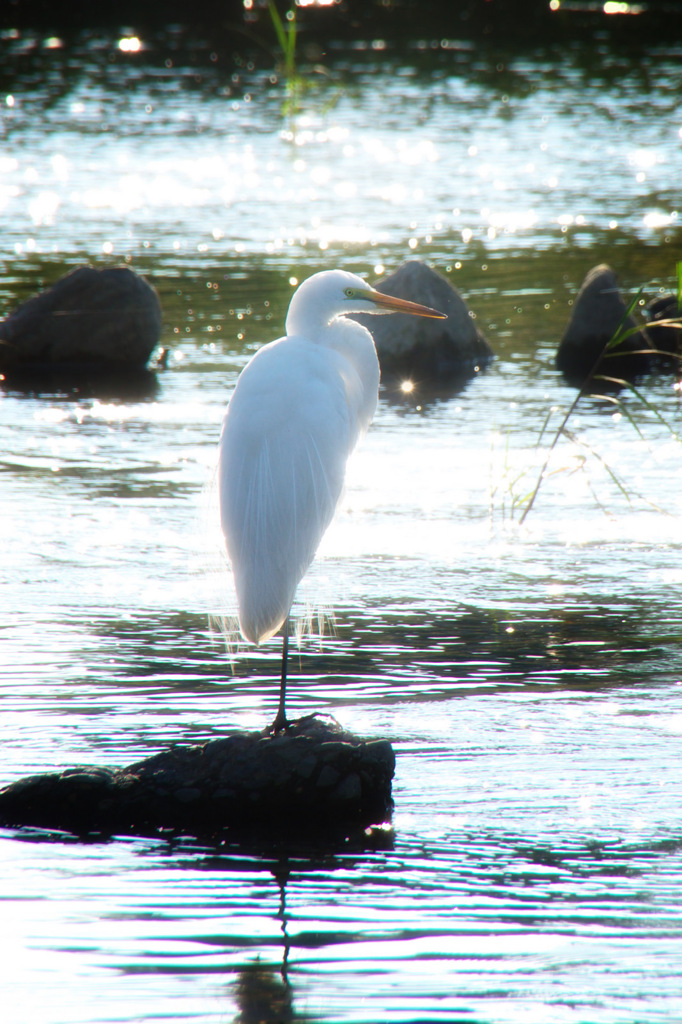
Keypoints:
pixel 349 293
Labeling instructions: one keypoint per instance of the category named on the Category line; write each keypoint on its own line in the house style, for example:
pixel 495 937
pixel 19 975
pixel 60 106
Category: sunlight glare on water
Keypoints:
pixel 482 179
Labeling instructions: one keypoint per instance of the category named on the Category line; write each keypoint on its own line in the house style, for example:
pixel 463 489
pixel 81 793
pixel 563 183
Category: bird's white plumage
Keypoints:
pixel 296 414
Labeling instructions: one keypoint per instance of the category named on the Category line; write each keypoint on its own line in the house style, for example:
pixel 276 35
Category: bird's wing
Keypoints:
pixel 284 447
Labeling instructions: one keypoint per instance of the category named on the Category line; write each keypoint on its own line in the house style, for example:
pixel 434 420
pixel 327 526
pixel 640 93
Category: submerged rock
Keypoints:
pixel 430 351
pixel 598 311
pixel 108 319
pixel 314 777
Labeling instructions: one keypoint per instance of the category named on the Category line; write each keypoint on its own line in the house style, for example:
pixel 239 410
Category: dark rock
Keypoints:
pixel 314 777
pixel 420 349
pixel 598 312
pixel 107 318
pixel 667 338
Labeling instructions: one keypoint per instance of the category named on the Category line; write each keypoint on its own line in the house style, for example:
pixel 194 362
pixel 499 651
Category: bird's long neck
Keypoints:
pixel 307 323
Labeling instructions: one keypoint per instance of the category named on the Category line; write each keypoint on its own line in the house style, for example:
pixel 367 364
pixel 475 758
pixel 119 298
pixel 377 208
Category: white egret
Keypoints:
pixel 298 410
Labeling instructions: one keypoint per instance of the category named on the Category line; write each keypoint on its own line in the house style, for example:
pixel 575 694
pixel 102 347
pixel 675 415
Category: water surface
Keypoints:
pixel 528 676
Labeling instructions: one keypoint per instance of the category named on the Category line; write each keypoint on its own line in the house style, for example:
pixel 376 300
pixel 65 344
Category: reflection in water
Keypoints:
pixel 79 383
pixel 455 924
pixel 448 916
pixel 262 997
pixel 414 395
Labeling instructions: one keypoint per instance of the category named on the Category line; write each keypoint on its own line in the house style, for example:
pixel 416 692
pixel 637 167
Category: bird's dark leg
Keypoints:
pixel 281 717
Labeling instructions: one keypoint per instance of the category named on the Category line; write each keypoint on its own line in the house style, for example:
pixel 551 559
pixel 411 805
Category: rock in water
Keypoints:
pixel 109 318
pixel 598 311
pixel 313 778
pixel 428 351
pixel 667 337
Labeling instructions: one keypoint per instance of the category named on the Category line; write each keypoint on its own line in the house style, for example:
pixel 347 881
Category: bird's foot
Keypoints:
pixel 281 724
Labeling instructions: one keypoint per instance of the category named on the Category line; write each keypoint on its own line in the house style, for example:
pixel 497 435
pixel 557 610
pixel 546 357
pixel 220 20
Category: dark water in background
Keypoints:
pixel 528 677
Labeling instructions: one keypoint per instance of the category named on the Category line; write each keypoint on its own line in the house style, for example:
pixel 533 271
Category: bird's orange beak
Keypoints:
pixel 403 305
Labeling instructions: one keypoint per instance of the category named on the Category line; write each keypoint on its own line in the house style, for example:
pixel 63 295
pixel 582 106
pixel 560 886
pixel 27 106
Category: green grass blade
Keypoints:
pixel 652 408
pixel 595 454
pixel 278 26
pixel 621 332
pixel 551 448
